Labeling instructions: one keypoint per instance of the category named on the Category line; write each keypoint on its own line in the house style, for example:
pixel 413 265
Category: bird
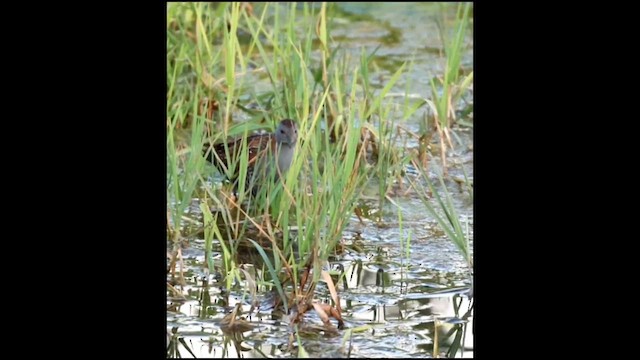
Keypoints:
pixel 263 152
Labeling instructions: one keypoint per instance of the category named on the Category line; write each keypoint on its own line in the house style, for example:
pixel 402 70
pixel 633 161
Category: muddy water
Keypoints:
pixel 393 305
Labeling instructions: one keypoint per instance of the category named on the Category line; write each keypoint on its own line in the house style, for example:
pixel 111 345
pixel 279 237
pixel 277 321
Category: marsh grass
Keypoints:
pixel 447 90
pixel 326 176
pixel 444 211
pixel 216 53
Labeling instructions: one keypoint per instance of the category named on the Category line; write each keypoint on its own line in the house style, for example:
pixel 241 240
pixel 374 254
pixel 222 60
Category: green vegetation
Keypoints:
pixel 233 69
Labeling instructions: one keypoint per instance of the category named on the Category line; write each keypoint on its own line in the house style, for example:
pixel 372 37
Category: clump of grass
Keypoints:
pixel 183 173
pixel 444 212
pixel 446 91
pixel 443 107
pixel 328 173
pixel 333 169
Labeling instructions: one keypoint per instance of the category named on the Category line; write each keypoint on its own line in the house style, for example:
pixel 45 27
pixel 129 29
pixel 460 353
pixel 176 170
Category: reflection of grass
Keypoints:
pixel 174 343
pixel 452 332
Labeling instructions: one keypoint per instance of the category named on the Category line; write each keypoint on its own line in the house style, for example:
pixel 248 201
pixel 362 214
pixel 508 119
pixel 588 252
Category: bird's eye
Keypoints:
pixel 281 131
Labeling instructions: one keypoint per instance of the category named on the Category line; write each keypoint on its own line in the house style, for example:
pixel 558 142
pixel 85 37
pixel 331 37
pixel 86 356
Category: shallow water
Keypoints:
pixel 402 299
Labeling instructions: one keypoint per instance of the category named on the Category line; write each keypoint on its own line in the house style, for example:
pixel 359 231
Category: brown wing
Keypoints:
pixel 257 146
